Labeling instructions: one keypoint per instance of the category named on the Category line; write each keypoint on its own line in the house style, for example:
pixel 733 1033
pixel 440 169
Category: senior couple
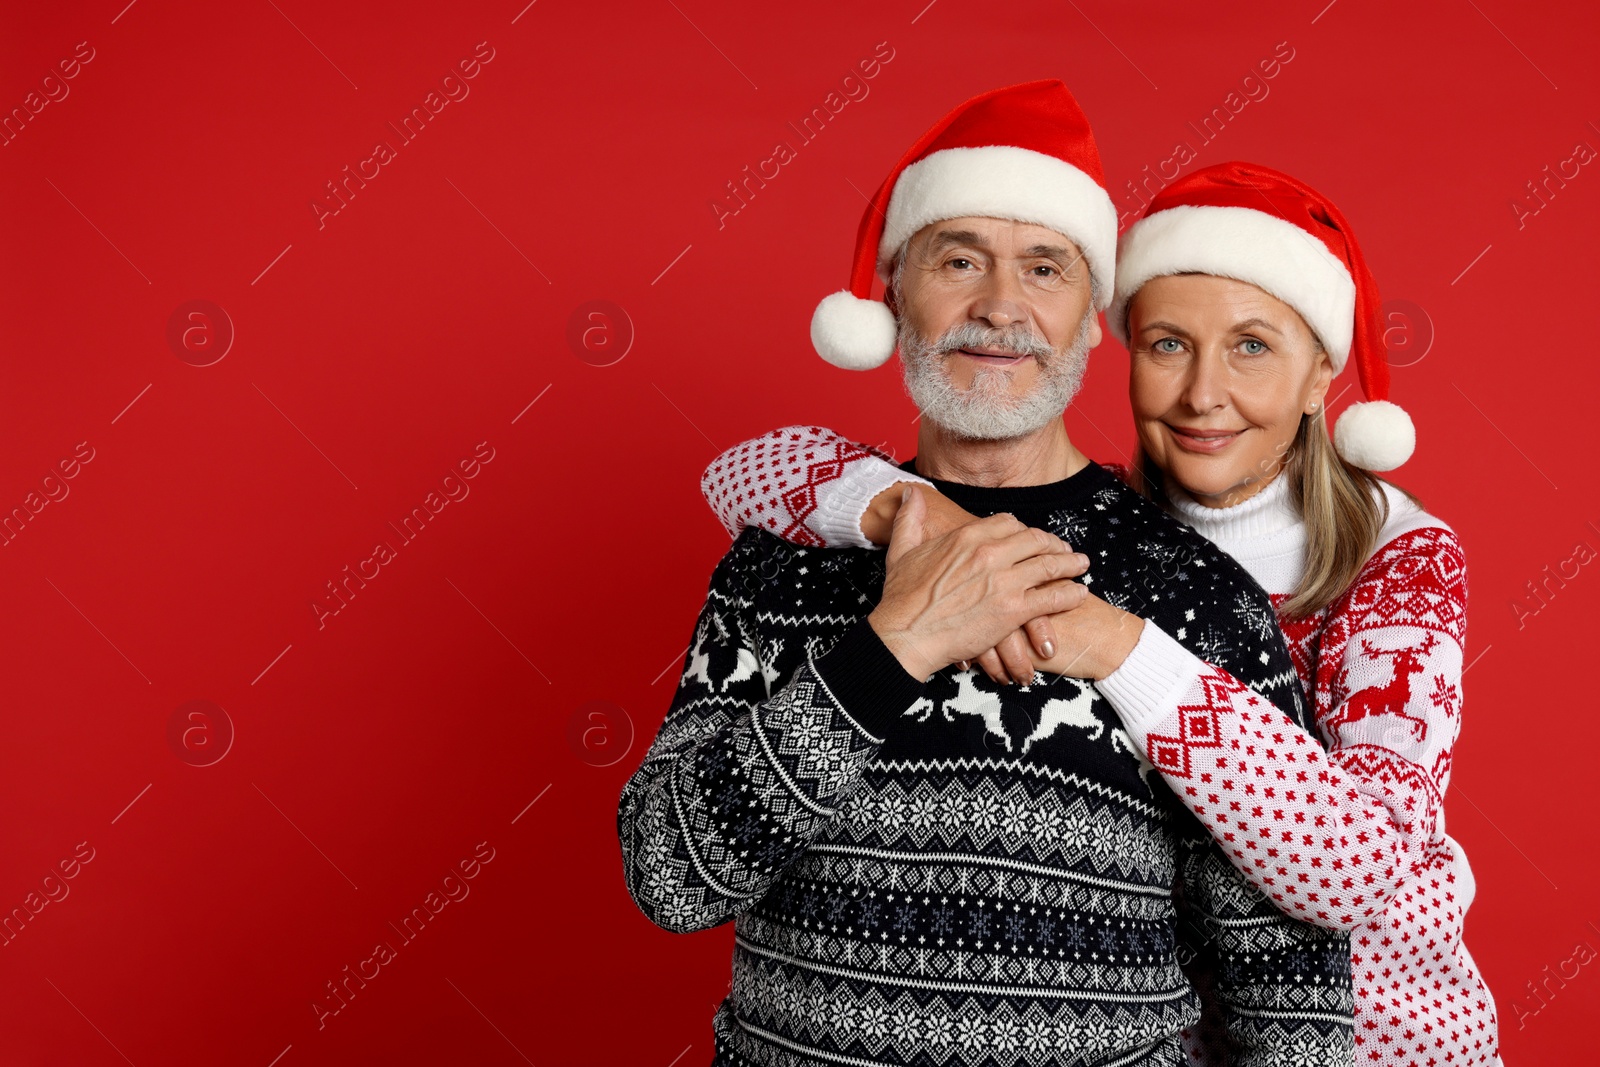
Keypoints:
pixel 1093 765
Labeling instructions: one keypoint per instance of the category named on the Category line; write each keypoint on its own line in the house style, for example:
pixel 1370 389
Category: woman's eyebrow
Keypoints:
pixel 1256 324
pixel 1164 327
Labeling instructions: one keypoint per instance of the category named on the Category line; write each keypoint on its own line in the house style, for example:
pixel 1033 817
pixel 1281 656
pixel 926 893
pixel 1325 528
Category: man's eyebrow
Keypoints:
pixel 1066 255
pixel 946 238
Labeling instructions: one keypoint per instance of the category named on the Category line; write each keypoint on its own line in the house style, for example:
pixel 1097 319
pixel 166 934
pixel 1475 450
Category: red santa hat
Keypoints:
pixel 1024 152
pixel 1255 225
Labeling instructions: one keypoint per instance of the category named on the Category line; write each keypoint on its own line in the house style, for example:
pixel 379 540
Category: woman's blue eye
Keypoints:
pixel 1161 345
pixel 1252 347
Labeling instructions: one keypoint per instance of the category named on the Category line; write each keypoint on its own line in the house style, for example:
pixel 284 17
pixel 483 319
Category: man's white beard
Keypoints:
pixel 986 410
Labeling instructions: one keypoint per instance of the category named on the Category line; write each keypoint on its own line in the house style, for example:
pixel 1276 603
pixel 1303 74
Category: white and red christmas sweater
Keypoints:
pixel 1345 830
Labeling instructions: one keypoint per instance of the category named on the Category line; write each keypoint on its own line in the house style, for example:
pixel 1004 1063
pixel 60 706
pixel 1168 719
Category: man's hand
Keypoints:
pixel 951 597
pixel 1013 659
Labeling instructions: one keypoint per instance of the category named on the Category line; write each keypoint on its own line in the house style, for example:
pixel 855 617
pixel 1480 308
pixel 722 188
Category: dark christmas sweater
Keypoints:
pixel 957 872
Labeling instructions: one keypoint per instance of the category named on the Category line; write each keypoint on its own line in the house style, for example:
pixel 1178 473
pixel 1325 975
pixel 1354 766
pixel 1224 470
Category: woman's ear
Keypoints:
pixel 1321 378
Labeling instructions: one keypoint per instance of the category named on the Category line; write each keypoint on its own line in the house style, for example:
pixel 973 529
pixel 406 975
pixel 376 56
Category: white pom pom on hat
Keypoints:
pixel 853 333
pixel 1375 435
pixel 1257 225
pixel 1023 152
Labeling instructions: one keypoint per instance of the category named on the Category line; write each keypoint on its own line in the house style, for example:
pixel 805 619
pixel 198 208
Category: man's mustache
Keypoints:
pixel 1021 340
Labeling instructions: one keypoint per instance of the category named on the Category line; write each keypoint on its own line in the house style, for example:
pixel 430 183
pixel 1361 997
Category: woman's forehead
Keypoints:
pixel 1212 298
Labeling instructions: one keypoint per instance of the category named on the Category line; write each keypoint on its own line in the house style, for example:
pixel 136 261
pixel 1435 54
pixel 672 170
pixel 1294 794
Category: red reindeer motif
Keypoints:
pixel 1390 698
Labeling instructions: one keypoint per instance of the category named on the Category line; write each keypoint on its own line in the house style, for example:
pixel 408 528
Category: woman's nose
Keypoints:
pixel 1208 384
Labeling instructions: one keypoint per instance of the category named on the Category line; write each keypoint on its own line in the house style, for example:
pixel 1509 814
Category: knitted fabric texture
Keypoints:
pixel 1342 825
pixel 956 872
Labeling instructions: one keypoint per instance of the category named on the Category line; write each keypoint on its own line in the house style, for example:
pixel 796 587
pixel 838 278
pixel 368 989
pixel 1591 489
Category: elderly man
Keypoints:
pixel 924 867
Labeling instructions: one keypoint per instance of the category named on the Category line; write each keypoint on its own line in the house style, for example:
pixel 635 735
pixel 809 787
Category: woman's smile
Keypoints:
pixel 1202 439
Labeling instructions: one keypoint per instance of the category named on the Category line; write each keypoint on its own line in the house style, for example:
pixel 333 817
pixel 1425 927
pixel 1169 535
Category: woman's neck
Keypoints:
pixel 1267 512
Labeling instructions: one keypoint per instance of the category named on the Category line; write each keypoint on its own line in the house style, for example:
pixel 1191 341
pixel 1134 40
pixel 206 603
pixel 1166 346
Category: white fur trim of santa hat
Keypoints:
pixel 1249 246
pixel 1005 182
pixel 1375 435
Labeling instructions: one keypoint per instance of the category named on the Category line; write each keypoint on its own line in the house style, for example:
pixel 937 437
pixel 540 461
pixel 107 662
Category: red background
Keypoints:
pixel 374 352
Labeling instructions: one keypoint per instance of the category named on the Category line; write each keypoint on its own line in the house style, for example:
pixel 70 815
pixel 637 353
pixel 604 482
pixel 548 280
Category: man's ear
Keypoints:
pixel 896 266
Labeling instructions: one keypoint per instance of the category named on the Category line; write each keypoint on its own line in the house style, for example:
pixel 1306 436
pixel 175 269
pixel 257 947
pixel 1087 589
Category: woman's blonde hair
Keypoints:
pixel 1343 506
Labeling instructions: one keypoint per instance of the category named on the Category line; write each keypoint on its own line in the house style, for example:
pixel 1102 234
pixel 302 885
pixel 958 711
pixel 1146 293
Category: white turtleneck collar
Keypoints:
pixel 1267 512
pixel 1265 533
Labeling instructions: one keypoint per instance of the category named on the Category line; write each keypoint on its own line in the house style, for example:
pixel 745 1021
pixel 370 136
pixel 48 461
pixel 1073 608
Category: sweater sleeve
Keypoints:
pixel 806 484
pixel 1328 835
pixel 742 776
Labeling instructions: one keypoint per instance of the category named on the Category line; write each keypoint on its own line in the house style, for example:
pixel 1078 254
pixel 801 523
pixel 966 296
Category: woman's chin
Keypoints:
pixel 1220 491
pixel 1210 482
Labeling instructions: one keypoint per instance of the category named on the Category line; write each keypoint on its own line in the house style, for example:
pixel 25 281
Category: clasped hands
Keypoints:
pixel 958 589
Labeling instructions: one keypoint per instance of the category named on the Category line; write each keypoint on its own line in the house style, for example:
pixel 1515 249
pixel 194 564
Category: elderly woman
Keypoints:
pixel 1240 295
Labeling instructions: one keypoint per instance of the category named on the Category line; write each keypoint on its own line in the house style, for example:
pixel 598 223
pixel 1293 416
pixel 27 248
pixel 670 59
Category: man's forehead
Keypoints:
pixel 995 235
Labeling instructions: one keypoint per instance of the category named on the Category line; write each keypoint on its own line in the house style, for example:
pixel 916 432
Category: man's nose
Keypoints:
pixel 1000 303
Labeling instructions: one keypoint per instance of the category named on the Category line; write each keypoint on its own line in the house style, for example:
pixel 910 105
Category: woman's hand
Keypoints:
pixel 1092 640
pixel 942 514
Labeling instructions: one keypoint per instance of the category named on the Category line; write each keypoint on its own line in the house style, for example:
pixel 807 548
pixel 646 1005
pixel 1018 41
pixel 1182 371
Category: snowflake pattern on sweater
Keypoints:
pixel 955 873
pixel 1351 837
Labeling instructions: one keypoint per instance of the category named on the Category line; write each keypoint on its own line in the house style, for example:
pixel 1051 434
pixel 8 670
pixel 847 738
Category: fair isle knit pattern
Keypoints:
pixel 959 873
pixel 1352 837
pixel 781 476
pixel 1361 845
